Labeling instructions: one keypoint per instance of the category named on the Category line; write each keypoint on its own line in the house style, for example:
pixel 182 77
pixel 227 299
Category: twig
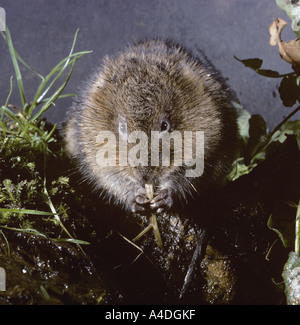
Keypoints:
pixel 150 193
pixel 195 262
pixel 297 231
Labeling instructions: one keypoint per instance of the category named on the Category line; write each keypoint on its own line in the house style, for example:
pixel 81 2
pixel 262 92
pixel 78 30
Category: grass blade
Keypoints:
pixel 59 69
pixel 55 95
pixel 28 66
pixel 11 115
pixel 51 133
pixel 59 97
pixel 10 92
pixel 23 62
pixel 38 233
pixel 6 241
pixel 25 230
pixel 26 211
pixel 71 240
pixel 16 67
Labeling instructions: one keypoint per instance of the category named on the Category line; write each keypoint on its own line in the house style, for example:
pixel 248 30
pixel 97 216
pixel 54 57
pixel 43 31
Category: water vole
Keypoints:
pixel 153 86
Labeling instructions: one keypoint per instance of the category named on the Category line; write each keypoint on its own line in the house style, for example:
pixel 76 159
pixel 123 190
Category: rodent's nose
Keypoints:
pixel 144 174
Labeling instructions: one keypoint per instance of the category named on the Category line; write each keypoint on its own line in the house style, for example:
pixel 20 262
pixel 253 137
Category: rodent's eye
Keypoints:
pixel 164 126
pixel 123 128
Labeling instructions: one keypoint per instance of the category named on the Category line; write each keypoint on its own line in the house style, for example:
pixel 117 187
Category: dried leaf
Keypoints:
pixel 275 30
pixel 289 51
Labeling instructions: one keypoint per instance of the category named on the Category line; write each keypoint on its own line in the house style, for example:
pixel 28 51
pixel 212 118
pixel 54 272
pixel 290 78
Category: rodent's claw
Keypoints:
pixel 142 200
pixel 162 201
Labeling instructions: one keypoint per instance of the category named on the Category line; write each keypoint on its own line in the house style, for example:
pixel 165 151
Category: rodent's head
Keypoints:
pixel 151 87
pixel 153 91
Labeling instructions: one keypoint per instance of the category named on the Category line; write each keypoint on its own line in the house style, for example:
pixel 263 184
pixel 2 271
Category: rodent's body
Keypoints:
pixel 154 86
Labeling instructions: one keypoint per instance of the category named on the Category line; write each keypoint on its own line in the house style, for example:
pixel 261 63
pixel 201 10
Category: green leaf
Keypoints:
pixel 284 5
pixel 289 128
pixel 257 136
pixel 282 221
pixel 268 73
pixel 288 7
pixel 289 90
pixel 253 64
pixel 239 169
pixel 243 123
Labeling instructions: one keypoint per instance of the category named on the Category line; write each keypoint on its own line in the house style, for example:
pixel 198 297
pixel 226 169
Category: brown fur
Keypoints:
pixel 141 86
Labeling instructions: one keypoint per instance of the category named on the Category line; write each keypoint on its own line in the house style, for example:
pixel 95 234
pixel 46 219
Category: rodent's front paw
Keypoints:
pixel 141 203
pixel 162 201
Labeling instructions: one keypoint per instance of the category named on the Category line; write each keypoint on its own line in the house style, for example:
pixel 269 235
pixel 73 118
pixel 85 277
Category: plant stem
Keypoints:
pixel 6 241
pixel 284 121
pixel 153 221
pixel 269 138
pixel 142 233
pixel 297 231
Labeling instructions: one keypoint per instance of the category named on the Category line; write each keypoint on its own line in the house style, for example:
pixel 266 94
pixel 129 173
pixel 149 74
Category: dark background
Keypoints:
pixel 43 31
